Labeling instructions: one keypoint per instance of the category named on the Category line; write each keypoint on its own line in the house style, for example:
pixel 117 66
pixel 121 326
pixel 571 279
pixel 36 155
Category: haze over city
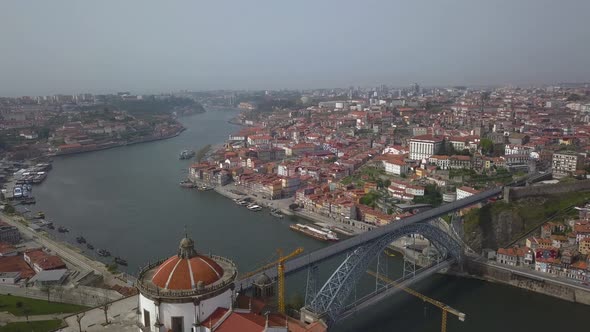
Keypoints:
pixel 294 166
pixel 151 46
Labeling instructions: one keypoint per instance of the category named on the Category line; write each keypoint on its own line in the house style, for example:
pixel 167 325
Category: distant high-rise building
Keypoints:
pixel 415 88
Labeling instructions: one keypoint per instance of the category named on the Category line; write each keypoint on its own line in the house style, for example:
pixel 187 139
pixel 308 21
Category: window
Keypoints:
pixel 146 318
pixel 177 324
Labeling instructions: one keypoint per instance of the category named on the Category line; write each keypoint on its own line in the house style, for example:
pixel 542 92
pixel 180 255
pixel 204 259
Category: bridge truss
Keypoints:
pixel 330 301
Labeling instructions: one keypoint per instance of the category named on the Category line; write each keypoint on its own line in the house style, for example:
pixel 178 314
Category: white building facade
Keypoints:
pixel 179 293
pixel 422 147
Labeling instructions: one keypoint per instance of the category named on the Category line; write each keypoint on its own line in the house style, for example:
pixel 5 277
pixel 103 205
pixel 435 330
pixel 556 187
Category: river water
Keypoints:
pixel 127 200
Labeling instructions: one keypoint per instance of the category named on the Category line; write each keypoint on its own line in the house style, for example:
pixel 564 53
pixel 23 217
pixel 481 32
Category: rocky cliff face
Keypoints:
pixel 495 225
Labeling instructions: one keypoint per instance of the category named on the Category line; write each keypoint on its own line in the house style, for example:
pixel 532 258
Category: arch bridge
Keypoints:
pixel 329 303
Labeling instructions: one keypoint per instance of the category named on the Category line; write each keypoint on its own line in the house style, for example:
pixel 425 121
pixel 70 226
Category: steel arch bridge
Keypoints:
pixel 330 301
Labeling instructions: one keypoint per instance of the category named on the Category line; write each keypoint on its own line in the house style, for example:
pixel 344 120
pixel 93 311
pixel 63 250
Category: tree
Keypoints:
pixel 487 146
pixel 79 320
pixel 8 208
pixel 105 308
pixel 106 304
pixel 297 302
pixel 573 97
pixel 47 289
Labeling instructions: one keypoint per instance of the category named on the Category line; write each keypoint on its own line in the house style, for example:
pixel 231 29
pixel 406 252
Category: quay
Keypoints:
pixel 230 191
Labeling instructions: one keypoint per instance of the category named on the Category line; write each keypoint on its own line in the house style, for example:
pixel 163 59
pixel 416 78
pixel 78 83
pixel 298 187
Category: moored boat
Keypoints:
pixel 103 252
pixel 120 261
pixel 187 184
pixel 62 229
pixel 28 200
pixel 276 213
pixel 320 234
pixel 186 154
pixel 89 246
pixel 81 239
pixel 254 207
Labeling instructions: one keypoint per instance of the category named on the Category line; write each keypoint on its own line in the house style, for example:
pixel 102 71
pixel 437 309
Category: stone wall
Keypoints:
pixel 81 295
pixel 490 273
pixel 514 193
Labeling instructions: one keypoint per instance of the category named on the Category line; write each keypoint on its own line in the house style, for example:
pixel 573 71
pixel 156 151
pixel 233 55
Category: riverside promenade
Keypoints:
pixel 231 191
pixel 65 252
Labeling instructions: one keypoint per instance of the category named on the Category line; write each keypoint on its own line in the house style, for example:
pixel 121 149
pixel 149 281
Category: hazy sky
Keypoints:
pixel 150 46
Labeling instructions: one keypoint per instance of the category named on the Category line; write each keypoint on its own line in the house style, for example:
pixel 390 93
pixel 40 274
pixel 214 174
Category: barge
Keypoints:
pixel 319 234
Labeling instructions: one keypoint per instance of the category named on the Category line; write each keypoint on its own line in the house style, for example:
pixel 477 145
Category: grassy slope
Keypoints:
pixel 37 307
pixel 38 326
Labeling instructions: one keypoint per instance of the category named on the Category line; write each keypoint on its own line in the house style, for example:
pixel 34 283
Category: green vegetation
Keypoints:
pixel 447 218
pixel 372 172
pixel 370 199
pixel 367 174
pixel 296 302
pixel 8 208
pixel 347 180
pixel 470 177
pixel 574 97
pixel 113 268
pixel 431 196
pixel 20 306
pixel 200 155
pixel 37 326
pixel 532 211
pixel 487 146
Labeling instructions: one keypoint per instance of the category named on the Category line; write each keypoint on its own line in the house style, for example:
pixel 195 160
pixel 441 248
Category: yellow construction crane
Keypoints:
pixel 443 307
pixel 280 263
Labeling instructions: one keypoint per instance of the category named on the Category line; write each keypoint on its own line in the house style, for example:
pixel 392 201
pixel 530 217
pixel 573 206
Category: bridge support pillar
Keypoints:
pixel 311 288
pixel 308 316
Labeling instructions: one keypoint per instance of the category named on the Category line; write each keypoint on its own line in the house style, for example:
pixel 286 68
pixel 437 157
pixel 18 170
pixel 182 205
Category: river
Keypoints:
pixel 127 200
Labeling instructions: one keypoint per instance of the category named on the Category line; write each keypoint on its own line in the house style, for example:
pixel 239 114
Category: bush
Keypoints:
pixel 9 208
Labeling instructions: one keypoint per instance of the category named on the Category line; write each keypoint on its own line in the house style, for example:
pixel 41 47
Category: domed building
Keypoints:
pixel 194 292
pixel 177 294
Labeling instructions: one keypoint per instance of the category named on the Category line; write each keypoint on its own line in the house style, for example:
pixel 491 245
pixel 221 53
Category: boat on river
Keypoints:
pixel 319 234
pixel 81 239
pixel 276 213
pixel 62 229
pixel 186 154
pixel 187 184
pixel 103 252
pixel 89 246
pixel 28 201
pixel 120 261
pixel 254 207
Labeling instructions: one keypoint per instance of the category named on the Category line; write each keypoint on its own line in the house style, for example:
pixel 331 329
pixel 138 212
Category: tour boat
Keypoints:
pixel 320 234
pixel 254 207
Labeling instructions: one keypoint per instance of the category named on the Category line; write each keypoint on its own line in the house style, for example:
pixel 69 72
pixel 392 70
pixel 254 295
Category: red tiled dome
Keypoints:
pixel 180 273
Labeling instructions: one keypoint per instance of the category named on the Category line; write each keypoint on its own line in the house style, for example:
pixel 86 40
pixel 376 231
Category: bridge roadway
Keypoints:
pixel 325 253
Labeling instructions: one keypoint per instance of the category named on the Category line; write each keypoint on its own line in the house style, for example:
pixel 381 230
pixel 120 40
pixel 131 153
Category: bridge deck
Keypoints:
pixel 348 244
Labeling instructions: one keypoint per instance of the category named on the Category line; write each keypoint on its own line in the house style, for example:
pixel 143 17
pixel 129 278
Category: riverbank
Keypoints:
pixel 112 145
pixel 528 280
pixel 233 192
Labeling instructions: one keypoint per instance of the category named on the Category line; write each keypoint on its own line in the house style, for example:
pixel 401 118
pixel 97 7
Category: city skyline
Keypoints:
pixel 71 47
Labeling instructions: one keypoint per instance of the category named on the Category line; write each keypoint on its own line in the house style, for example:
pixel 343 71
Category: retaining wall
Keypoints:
pixel 546 287
pixel 513 193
